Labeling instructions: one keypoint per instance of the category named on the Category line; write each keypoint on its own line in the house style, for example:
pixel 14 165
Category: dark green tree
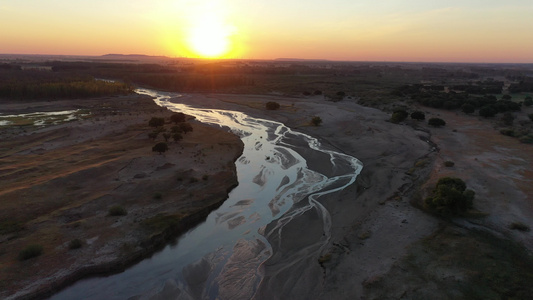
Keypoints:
pixel 418 115
pixel 436 122
pixel 177 137
pixel 316 121
pixel 272 105
pixel 399 115
pixel 177 117
pixel 528 101
pixel 160 147
pixel 185 127
pixel 487 111
pixel 156 122
pixel 450 197
pixel 468 108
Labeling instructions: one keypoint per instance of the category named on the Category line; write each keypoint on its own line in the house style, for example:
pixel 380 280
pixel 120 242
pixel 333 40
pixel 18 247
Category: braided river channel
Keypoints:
pixel 223 257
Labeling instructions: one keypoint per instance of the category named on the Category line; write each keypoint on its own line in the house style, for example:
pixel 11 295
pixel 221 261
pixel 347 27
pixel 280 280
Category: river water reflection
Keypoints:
pixel 222 257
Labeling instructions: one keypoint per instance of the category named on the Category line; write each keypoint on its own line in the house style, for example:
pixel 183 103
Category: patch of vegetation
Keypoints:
pixel 450 197
pixel 449 164
pixel 436 122
pixel 519 226
pixel 316 121
pixel 160 147
pixel 185 127
pixel 418 115
pixel 508 132
pixel 156 122
pixel 205 177
pixel 75 244
pixel 117 210
pixel 177 117
pixel 30 251
pixel 161 222
pixel 158 196
pixel 398 116
pixel 324 258
pixel 271 105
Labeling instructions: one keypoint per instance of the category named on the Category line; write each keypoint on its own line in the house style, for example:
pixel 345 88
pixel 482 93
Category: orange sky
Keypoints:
pixel 364 30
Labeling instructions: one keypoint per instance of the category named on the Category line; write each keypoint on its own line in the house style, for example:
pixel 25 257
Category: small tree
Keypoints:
pixel 175 129
pixel 399 115
pixel 530 116
pixel 272 105
pixel 317 92
pixel 185 127
pixel 156 122
pixel 436 122
pixel 177 117
pixel 450 197
pixel 177 137
pixel 418 115
pixel 160 147
pixel 316 120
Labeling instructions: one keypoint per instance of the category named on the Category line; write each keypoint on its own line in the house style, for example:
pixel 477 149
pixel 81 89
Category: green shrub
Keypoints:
pixel 436 122
pixel 519 226
pixel 468 108
pixel 507 132
pixel 449 164
pixel 272 105
pixel 530 116
pixel 117 210
pixel 528 101
pixel 30 252
pixel 156 122
pixel 75 244
pixel 177 117
pixel 399 115
pixel 450 197
pixel 316 120
pixel 158 196
pixel 418 115
pixel 160 147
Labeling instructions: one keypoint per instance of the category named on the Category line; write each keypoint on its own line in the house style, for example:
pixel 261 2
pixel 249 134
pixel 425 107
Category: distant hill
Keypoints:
pixel 301 59
pixel 133 57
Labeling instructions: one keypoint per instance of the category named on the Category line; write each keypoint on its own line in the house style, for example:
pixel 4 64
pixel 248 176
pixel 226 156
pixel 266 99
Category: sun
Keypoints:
pixel 210 37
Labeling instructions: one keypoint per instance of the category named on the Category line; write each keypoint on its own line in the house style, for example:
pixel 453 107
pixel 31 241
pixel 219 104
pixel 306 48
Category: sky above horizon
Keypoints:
pixel 359 30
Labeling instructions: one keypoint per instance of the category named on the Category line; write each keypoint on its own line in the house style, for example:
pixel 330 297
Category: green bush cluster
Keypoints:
pixel 450 197
pixel 272 105
pixel 117 210
pixel 30 252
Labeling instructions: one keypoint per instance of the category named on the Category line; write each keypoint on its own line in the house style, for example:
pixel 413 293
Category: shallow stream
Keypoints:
pixel 222 257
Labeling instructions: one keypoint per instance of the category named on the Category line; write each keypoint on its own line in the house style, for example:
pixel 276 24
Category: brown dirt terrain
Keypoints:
pixel 59 181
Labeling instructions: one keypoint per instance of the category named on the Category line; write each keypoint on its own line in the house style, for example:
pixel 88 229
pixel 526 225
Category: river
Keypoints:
pixel 223 257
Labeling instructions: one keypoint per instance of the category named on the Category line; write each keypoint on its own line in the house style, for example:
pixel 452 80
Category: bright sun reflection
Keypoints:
pixel 210 36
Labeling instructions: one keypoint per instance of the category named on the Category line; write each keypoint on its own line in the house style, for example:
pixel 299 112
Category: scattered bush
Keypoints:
pixel 158 196
pixel 117 210
pixel 166 136
pixel 177 117
pixel 530 116
pixel 436 122
pixel 205 177
pixel 450 197
pixel 507 132
pixel 317 92
pixel 399 115
pixel 418 115
pixel 316 121
pixel 153 135
pixel 160 147
pixel 156 122
pixel 30 251
pixel 272 105
pixel 519 226
pixel 75 244
pixel 449 164
pixel 185 127
pixel 177 137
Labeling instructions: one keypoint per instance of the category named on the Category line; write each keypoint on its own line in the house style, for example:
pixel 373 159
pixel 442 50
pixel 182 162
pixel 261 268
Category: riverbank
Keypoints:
pixel 60 181
pixel 375 226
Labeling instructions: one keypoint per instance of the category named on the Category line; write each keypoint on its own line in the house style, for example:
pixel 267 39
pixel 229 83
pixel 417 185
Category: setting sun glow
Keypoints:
pixel 210 37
